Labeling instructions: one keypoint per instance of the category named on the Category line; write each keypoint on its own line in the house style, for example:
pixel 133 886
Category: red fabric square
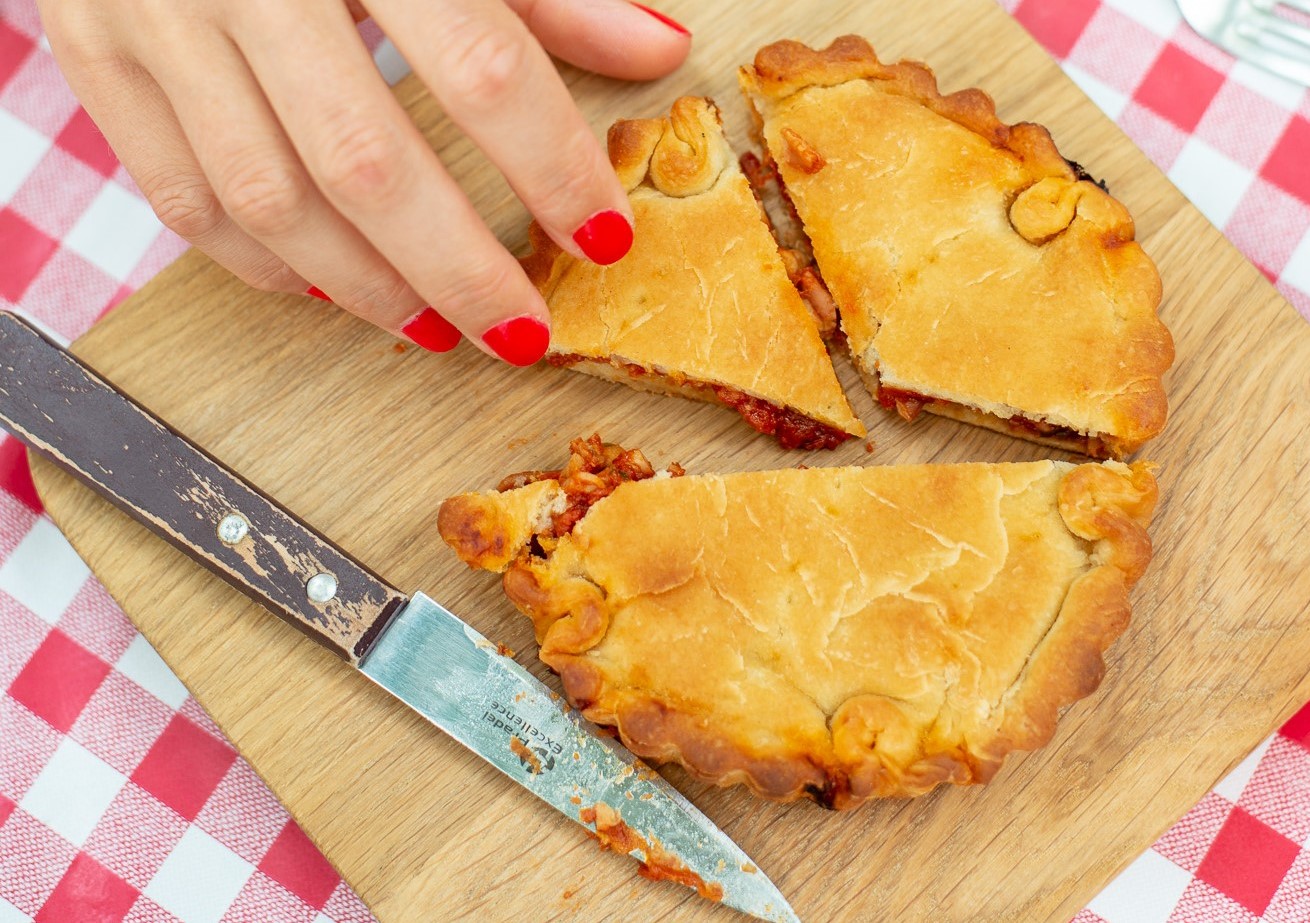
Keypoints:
pixel 1179 87
pixel 6 808
pixel 88 893
pixel 59 680
pixel 84 140
pixel 16 474
pixel 32 860
pixel 14 49
pixel 1056 25
pixel 295 863
pixel 26 250
pixel 1289 163
pixel 1298 727
pixel 184 766
pixel 1247 861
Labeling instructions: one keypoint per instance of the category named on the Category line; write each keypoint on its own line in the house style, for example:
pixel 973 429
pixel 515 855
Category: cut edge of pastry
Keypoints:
pixel 1108 505
pixel 786 67
pixel 685 155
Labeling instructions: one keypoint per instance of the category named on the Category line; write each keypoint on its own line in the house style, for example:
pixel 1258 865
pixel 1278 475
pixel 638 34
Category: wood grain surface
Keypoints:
pixel 364 442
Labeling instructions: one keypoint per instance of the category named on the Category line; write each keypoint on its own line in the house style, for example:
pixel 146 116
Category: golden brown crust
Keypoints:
pixel 983 271
pixel 908 626
pixel 704 294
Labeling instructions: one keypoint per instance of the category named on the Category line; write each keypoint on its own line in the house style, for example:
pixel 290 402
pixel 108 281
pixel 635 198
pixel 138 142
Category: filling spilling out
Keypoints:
pixel 766 181
pixel 792 429
pixel 594 470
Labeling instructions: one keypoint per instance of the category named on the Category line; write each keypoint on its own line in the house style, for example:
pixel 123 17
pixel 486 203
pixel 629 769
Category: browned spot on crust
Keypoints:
pixel 803 155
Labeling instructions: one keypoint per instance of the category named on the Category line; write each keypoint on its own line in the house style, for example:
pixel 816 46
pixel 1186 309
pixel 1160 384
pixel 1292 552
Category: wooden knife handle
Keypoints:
pixel 61 408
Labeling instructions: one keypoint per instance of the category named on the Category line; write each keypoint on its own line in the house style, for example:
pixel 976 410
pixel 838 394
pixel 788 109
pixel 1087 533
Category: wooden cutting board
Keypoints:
pixel 365 441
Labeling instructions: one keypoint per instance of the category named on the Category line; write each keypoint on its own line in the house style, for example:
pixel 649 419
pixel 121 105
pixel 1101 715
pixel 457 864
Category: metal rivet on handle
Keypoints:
pixel 232 529
pixel 321 587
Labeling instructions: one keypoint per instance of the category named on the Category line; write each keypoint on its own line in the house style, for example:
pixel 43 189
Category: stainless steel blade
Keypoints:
pixel 456 678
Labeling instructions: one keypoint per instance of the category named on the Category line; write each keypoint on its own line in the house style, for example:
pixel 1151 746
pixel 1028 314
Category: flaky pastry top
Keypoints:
pixel 971 262
pixel 838 634
pixel 703 295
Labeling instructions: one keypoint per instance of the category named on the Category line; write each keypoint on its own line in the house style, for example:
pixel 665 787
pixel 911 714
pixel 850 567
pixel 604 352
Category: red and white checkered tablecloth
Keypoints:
pixel 119 798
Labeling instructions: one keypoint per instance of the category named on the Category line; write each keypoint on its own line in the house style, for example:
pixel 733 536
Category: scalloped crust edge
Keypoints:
pixel 786 67
pixel 1107 504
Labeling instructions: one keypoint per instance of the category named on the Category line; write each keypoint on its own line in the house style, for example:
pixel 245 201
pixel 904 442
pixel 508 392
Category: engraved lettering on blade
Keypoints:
pixel 538 741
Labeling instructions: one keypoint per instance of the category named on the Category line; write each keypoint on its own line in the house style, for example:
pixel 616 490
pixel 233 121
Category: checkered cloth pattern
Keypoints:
pixel 120 800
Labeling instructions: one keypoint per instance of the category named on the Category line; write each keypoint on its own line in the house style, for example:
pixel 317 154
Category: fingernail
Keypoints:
pixel 317 292
pixel 605 238
pixel 432 331
pixel 671 23
pixel 519 340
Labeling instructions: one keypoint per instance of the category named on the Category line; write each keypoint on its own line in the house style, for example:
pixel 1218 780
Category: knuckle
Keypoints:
pixel 271 275
pixel 362 165
pixel 576 174
pixel 382 299
pixel 476 286
pixel 264 195
pixel 488 63
pixel 185 204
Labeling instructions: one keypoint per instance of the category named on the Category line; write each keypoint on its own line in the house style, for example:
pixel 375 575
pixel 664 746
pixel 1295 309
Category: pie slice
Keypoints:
pixel 702 305
pixel 978 274
pixel 833 633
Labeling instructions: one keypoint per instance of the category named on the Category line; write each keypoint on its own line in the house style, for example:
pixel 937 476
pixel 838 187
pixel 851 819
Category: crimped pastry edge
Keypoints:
pixel 1107 504
pixel 786 67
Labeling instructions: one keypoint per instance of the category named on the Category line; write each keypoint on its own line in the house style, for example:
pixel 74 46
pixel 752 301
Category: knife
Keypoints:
pixel 410 646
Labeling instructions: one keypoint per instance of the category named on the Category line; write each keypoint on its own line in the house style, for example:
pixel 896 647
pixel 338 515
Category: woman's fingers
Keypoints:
pixel 377 171
pixel 494 80
pixel 261 182
pixel 612 37
pixel 135 116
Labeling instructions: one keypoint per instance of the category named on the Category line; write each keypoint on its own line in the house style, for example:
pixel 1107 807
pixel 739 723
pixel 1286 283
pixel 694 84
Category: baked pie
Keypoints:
pixel 979 274
pixel 833 633
pixel 702 305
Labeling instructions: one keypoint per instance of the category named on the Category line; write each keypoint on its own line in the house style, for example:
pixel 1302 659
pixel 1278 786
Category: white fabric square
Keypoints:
pixel 1231 785
pixel 1214 183
pixel 114 232
pixel 141 664
pixel 44 573
pixel 73 791
pixel 1297 270
pixel 1107 98
pixel 200 878
pixel 1160 16
pixel 11 914
pixel 1145 892
pixel 1279 89
pixel 21 149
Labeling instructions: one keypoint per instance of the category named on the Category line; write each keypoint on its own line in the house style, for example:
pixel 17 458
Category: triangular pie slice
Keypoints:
pixel 702 305
pixel 833 633
pixel 979 274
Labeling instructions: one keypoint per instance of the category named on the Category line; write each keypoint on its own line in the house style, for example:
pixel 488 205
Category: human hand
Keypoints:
pixel 262 133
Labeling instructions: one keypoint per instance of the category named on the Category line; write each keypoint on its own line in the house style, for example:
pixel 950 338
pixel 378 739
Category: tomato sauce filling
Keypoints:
pixel 909 404
pixel 792 429
pixel 661 865
pixel 594 470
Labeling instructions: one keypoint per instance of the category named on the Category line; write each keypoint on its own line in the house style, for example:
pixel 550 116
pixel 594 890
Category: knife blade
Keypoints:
pixel 410 646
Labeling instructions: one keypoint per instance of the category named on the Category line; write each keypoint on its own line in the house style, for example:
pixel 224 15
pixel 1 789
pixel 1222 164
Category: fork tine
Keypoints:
pixel 1301 5
pixel 1273 24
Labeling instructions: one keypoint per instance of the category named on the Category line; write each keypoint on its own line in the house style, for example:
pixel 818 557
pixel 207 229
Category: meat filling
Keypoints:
pixel 792 429
pixel 593 472
pixel 910 404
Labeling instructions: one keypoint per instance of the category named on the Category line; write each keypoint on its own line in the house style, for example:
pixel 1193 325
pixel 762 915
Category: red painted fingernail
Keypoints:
pixel 317 292
pixel 519 340
pixel 671 23
pixel 432 331
pixel 605 238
